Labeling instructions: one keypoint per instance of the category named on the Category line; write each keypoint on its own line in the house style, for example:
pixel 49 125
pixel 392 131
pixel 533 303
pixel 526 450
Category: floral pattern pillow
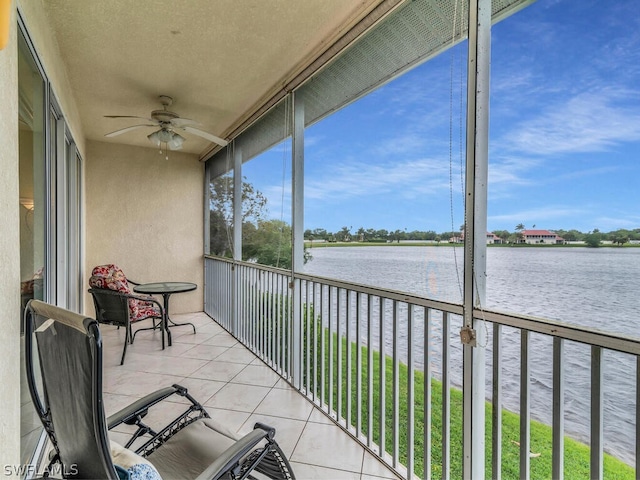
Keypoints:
pixel 112 277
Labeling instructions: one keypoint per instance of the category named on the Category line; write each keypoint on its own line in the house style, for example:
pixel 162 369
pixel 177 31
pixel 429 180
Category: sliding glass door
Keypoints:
pixel 50 178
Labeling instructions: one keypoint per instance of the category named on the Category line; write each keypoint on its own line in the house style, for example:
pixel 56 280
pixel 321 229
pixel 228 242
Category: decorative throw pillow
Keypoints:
pixel 132 466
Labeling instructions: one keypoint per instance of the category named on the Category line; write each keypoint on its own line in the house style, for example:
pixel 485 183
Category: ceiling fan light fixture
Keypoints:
pixel 161 136
pixel 155 138
pixel 176 141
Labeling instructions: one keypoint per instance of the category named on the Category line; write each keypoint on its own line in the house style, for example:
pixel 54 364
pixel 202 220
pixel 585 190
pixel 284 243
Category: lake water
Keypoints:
pixel 597 288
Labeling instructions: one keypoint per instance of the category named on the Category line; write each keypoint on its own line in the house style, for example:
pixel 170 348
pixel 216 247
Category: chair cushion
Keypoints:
pixel 109 276
pixel 112 277
pixel 139 310
pixel 190 451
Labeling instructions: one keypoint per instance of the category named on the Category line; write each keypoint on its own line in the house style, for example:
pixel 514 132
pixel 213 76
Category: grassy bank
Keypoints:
pixel 576 458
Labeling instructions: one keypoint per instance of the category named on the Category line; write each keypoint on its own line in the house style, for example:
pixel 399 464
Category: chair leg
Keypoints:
pixel 155 327
pixel 126 342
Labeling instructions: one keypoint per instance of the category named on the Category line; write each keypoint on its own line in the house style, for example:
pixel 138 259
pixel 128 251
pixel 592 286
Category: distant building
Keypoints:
pixel 541 236
pixel 491 238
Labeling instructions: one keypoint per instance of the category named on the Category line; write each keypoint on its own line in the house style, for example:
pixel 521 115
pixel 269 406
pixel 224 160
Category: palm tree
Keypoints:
pixel 519 230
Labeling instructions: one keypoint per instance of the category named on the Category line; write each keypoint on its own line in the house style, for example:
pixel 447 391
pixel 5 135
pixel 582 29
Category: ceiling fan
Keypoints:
pixel 168 122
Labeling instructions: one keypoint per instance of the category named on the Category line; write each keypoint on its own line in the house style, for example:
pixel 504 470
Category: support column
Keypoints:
pixel 237 236
pixel 237 203
pixel 297 232
pixel 207 209
pixel 477 153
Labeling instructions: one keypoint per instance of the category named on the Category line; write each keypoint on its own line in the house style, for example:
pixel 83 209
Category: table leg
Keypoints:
pixel 162 322
pixel 166 318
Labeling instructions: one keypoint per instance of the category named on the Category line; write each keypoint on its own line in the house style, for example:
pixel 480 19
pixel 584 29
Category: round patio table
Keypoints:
pixel 166 289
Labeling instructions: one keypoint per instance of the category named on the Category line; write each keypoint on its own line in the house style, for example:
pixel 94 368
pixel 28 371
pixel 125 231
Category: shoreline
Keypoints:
pixel 312 245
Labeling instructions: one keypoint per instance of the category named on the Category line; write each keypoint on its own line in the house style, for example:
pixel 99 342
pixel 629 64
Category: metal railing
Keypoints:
pixel 382 363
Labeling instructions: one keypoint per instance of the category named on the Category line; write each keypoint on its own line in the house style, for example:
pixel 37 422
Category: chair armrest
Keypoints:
pixel 232 455
pixel 144 299
pixel 139 406
pixel 133 281
pixel 141 298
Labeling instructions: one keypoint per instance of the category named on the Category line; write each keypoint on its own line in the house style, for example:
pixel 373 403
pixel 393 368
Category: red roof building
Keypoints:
pixel 540 236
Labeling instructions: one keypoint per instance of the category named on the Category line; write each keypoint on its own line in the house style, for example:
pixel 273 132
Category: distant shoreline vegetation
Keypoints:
pixel 522 236
pixel 412 243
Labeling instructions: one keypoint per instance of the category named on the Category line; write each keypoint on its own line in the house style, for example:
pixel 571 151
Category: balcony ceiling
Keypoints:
pixel 219 59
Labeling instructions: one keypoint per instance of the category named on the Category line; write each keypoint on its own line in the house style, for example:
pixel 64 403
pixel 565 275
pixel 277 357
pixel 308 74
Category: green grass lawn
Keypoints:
pixel 576 458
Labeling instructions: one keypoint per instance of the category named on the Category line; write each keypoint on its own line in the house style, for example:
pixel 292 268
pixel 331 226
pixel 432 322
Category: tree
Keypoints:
pixel 570 235
pixel 344 235
pixel 221 221
pixel 619 237
pixel 502 234
pixel 263 241
pixel 269 243
pixel 593 239
pixel 519 235
pixel 320 234
pixel 382 234
pixel 397 235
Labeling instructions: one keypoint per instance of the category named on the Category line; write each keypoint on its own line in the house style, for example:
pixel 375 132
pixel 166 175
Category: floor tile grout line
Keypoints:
pixel 332 468
pixel 271 389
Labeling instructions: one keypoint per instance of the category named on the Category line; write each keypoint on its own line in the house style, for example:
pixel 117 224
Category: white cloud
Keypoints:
pixel 356 179
pixel 587 122
pixel 608 223
pixel 539 216
pixel 313 140
pixel 512 171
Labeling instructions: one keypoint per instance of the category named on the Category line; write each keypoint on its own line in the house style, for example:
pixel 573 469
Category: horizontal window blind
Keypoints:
pixel 416 32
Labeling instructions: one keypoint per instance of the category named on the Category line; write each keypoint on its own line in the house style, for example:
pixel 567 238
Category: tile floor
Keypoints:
pixel 237 389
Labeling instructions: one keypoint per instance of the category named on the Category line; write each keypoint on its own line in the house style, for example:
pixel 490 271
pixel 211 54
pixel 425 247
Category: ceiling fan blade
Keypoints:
pixel 130 116
pixel 182 122
pixel 127 129
pixel 206 135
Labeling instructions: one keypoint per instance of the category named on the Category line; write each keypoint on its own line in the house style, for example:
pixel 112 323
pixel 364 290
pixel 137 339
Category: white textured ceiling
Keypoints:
pixel 218 59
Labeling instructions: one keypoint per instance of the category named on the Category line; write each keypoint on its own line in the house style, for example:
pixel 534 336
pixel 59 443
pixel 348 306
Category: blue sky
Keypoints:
pixel 564 146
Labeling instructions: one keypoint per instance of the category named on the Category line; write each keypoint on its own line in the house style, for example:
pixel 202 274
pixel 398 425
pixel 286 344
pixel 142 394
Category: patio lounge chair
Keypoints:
pixel 70 406
pixel 116 304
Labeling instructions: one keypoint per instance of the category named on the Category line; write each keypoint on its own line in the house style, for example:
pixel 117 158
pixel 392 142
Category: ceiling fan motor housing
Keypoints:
pixel 164 116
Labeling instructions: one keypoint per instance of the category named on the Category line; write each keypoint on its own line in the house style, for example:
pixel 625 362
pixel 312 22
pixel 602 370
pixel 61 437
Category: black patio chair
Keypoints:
pixel 70 406
pixel 113 308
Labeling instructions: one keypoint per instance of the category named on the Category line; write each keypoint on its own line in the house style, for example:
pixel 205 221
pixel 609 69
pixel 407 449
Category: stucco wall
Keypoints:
pixel 9 256
pixel 44 39
pixel 144 213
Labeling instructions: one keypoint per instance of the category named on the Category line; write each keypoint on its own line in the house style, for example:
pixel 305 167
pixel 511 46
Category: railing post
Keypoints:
pixel 477 152
pixel 597 397
pixel 297 233
pixel 557 462
pixel 525 406
pixel 496 408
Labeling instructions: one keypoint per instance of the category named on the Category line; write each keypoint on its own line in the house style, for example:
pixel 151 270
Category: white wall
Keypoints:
pixel 9 256
pixel 47 51
pixel 144 213
pixel 43 37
